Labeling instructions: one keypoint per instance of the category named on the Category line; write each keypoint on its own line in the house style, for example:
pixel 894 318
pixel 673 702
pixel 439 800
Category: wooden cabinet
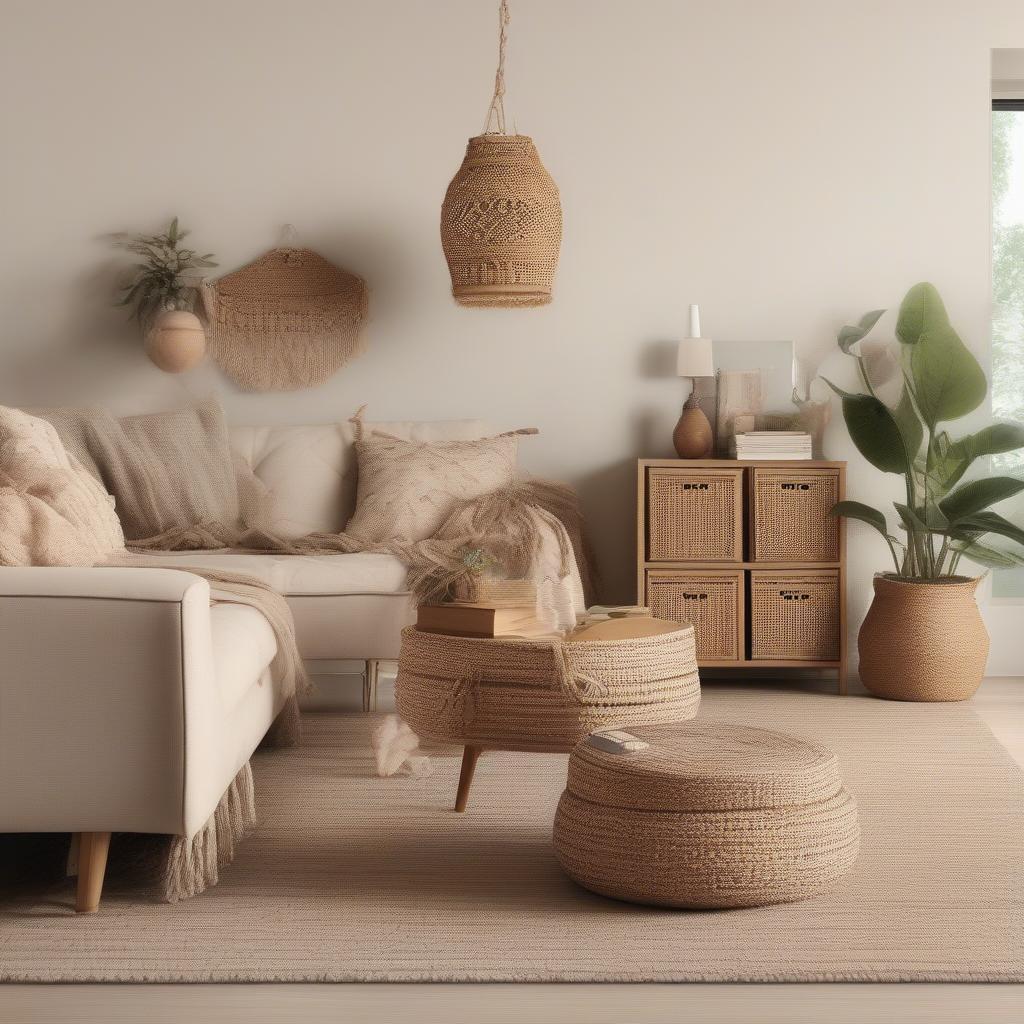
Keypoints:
pixel 748 553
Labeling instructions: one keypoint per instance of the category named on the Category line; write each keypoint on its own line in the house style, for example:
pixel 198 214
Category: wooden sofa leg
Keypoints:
pixel 92 865
pixel 470 756
pixel 370 684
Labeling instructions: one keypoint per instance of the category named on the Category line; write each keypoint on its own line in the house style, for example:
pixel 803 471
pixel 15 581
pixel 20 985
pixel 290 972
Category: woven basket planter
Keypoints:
pixel 710 815
pixel 501 224
pixel 542 695
pixel 923 640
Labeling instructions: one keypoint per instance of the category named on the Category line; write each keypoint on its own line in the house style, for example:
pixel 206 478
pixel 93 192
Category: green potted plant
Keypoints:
pixel 162 299
pixel 923 638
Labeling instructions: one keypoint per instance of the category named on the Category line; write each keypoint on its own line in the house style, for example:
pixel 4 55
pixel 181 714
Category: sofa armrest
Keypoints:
pixel 126 584
pixel 97 667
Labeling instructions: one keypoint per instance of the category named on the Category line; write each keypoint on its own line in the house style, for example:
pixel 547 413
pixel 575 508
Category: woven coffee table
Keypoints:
pixel 705 815
pixel 540 695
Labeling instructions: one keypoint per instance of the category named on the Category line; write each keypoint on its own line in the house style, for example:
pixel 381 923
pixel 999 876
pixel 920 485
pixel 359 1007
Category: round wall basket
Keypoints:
pixel 501 224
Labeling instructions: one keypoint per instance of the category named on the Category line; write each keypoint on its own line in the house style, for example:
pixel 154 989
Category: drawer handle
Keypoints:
pixel 696 487
pixel 794 595
pixel 695 597
pixel 795 487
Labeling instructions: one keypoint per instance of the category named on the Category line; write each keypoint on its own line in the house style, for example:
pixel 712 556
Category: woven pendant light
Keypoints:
pixel 501 220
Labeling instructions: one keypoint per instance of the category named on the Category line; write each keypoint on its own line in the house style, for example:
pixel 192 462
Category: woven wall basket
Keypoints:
pixel 542 695
pixel 501 224
pixel 288 320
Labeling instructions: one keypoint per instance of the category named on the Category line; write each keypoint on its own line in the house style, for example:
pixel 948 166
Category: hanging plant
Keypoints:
pixel 158 283
pixel 162 299
pixel 501 220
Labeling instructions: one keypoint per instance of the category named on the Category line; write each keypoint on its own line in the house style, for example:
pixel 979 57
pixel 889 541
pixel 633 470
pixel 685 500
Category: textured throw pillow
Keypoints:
pixel 407 489
pixel 52 511
pixel 166 469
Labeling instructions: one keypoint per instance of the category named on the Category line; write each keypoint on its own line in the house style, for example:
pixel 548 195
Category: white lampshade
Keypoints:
pixel 694 359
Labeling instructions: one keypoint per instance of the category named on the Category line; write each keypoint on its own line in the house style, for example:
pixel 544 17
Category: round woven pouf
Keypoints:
pixel 706 815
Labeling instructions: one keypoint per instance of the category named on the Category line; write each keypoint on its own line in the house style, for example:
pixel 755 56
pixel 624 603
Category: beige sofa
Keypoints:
pixel 128 703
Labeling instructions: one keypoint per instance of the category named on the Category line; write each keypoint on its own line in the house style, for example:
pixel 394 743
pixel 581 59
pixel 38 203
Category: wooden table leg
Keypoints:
pixel 470 756
pixel 92 865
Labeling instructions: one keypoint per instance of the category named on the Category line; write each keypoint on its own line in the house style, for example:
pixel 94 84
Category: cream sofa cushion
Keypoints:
pixel 408 488
pixel 345 606
pixel 290 575
pixel 311 470
pixel 166 469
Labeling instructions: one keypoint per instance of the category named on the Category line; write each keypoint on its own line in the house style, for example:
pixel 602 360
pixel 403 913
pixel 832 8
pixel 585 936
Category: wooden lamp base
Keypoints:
pixel 692 437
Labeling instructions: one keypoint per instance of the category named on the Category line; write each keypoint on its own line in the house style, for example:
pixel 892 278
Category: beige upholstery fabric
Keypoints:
pixel 345 606
pixel 129 704
pixel 708 815
pixel 52 511
pixel 361 572
pixel 407 489
pixel 165 470
pixel 310 470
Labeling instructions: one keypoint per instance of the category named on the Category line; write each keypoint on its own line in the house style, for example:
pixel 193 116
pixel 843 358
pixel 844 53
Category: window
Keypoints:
pixel 1008 295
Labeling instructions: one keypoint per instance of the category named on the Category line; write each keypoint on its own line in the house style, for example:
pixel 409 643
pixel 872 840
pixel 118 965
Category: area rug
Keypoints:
pixel 351 877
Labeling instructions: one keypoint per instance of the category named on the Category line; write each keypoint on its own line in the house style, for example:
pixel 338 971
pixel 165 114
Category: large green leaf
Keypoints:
pixel 922 312
pixel 852 333
pixel 951 459
pixel 873 430
pixel 910 518
pixel 976 495
pixel 909 422
pixel 991 440
pixel 948 381
pixel 864 513
pixel 993 558
pixel 990 522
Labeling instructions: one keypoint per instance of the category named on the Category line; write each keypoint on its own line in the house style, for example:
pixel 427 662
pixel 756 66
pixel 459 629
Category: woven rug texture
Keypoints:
pixel 350 877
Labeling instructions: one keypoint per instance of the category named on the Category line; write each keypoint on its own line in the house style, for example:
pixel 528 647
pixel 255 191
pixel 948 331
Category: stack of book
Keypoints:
pixel 482 619
pixel 772 444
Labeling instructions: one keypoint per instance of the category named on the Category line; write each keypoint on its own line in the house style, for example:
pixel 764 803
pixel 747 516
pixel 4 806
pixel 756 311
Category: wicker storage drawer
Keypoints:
pixel 794 615
pixel 695 515
pixel 712 601
pixel 790 520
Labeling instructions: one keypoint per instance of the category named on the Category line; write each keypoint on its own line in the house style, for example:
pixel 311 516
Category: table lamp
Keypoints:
pixel 693 437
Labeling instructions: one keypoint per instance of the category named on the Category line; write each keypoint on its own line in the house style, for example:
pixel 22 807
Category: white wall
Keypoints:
pixel 787 164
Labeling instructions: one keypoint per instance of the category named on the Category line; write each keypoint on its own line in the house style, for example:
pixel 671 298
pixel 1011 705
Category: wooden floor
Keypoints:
pixel 1000 702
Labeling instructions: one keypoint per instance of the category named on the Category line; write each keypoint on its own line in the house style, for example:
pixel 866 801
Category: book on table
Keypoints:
pixel 482 620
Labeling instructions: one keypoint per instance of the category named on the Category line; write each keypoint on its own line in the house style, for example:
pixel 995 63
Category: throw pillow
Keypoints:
pixel 406 489
pixel 167 470
pixel 52 511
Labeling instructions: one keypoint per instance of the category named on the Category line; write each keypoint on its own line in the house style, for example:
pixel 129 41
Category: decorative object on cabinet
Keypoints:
pixel 774 444
pixel 747 552
pixel 769 399
pixel 739 395
pixel 162 299
pixel 813 415
pixel 923 638
pixel 501 219
pixel 693 438
pixel 288 320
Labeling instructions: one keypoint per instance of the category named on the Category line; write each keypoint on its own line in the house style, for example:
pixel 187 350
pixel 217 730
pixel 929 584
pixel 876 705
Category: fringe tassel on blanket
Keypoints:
pixel 193 865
